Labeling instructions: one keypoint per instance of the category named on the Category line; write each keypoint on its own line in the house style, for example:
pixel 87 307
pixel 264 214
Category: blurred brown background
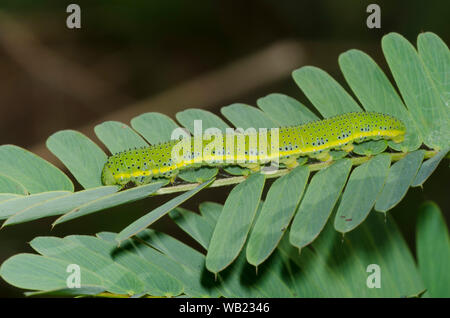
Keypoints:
pixel 131 57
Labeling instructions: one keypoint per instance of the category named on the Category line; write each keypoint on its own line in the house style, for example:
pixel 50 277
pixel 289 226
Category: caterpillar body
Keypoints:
pixel 313 139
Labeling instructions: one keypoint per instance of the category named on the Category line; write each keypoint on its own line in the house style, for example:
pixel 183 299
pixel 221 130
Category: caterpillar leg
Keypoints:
pixel 290 162
pixel 348 147
pixel 398 139
pixel 252 168
pixel 324 156
pixel 360 140
pixel 142 180
pixel 172 179
pixel 122 187
pixel 172 176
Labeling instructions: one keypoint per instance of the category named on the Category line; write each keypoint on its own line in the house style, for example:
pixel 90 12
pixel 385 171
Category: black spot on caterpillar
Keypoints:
pixel 314 139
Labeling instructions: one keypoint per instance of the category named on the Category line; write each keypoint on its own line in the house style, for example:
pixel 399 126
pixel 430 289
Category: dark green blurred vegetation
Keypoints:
pixel 137 49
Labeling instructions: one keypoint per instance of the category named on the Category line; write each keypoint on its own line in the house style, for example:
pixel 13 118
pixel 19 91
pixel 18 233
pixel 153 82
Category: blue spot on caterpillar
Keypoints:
pixel 313 139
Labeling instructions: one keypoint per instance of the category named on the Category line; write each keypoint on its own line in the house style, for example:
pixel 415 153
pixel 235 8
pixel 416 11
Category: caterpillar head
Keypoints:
pixel 400 131
pixel 107 176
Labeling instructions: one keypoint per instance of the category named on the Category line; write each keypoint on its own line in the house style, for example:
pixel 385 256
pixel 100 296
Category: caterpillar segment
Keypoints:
pixel 314 139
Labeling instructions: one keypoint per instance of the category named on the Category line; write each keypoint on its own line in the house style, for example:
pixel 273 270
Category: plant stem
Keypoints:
pixel 312 167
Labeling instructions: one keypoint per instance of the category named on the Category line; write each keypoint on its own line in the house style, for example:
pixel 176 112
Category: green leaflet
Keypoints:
pixel 145 221
pixel 315 208
pixel 118 137
pixel 433 250
pixel 32 172
pixel 277 211
pixel 400 176
pixel 80 155
pixel 363 188
pixel 418 90
pixel 234 223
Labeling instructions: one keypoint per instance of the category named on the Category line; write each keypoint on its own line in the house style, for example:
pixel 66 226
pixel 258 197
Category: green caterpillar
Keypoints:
pixel 313 139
